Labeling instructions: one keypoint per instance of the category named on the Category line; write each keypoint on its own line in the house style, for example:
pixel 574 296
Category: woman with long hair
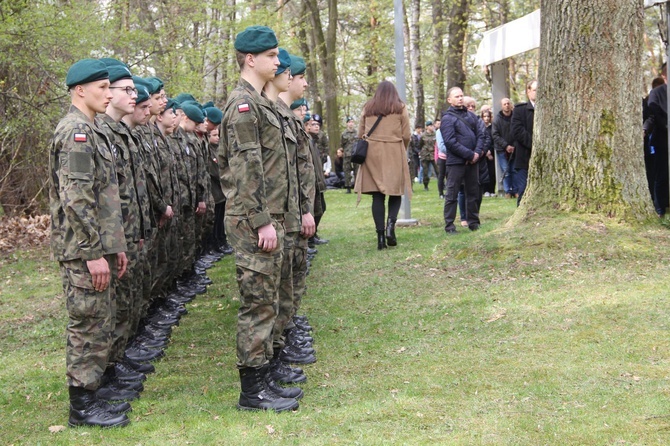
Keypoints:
pixel 385 171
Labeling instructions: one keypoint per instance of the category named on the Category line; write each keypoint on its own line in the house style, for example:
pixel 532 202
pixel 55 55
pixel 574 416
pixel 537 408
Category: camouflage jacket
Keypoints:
pixel 185 175
pixel 349 137
pixel 427 144
pixel 293 218
pixel 321 142
pixel 145 135
pixel 168 170
pixel 125 174
pixel 197 165
pixel 214 179
pixel 85 207
pixel 320 178
pixel 306 177
pixel 252 157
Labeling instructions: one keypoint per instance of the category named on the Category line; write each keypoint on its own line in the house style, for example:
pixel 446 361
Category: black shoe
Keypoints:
pixel 114 392
pixel 310 242
pixel 381 239
pixel 125 373
pixel 312 251
pixel 202 264
pixel 143 367
pixel 292 355
pixel 116 408
pixel 175 307
pixel 295 335
pixel 182 289
pixel 177 298
pixel 451 231
pixel 285 374
pixel 348 190
pixel 155 332
pixel 256 395
pixel 302 326
pixel 161 320
pixel 87 410
pixel 142 342
pixel 203 280
pixel 320 241
pixel 226 249
pixel 473 227
pixel 143 355
pixel 284 392
pixel 197 289
pixel 390 233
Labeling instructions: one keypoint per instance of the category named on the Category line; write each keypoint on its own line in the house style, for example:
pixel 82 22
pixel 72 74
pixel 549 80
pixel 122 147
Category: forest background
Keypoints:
pixel 189 44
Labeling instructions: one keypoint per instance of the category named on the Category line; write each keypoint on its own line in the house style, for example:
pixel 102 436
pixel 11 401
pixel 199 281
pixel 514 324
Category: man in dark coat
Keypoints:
pixel 503 143
pixel 464 140
pixel 522 130
pixel 659 141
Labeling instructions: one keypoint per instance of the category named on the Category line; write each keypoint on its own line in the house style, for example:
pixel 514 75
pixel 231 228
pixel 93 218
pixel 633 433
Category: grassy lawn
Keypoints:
pixel 553 332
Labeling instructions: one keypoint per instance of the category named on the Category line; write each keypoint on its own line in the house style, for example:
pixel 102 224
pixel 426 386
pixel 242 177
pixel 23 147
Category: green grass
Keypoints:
pixel 551 332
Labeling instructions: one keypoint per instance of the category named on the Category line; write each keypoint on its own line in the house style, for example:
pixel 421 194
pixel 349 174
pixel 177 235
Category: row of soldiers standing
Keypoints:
pixel 137 194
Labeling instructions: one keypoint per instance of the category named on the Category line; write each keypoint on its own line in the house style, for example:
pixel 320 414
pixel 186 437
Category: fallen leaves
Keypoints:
pixel 24 232
pixel 56 428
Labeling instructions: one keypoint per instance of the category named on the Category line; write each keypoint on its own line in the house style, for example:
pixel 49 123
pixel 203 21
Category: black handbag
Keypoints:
pixel 360 150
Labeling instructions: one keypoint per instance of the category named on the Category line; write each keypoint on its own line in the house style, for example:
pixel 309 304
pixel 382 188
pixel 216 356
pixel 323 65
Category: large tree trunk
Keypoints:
pixel 456 53
pixel 587 143
pixel 415 61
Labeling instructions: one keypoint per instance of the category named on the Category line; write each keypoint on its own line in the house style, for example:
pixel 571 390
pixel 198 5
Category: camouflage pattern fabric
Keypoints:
pixel 90 324
pixel 293 218
pixel 285 295
pixel 83 192
pixel 427 146
pixel 321 141
pixel 258 275
pixel 255 181
pixel 128 301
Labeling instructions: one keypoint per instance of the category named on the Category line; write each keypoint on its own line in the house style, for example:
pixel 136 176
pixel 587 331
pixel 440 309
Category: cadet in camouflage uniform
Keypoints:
pixel 87 239
pixel 254 178
pixel 286 353
pixel 313 130
pixel 128 289
pixel 349 138
pixel 427 153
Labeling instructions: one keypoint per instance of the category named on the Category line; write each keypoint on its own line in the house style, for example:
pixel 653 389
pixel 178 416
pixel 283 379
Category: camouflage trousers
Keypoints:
pixel 285 295
pixel 258 277
pixel 128 301
pixel 143 281
pixel 91 323
pixel 299 272
pixel 187 238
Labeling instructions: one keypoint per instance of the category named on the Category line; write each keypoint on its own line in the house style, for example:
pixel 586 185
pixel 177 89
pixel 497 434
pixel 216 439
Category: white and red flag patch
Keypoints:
pixel 80 137
pixel 243 108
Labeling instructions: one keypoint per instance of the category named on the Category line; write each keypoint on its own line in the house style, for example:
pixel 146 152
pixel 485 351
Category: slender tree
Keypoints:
pixel 415 61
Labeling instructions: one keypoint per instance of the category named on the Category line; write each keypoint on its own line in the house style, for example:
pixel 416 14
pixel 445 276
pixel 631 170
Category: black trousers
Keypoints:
pixel 468 175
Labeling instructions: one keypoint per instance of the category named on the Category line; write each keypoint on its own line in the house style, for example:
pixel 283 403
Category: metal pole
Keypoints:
pixel 407 219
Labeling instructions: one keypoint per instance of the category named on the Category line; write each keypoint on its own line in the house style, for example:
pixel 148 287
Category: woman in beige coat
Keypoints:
pixel 385 171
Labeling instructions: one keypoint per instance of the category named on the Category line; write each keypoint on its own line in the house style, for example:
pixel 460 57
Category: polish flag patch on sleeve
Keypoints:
pixel 80 137
pixel 243 108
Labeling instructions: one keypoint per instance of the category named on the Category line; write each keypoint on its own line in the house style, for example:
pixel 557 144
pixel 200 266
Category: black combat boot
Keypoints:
pixel 86 410
pixel 390 233
pixel 285 374
pixel 256 395
pixel 381 239
pixel 284 392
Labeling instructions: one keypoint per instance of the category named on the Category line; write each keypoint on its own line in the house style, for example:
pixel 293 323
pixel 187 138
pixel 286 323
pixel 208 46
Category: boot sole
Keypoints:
pixel 123 423
pixel 260 409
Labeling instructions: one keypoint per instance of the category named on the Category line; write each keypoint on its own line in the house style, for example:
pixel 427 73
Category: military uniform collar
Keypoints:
pixel 80 114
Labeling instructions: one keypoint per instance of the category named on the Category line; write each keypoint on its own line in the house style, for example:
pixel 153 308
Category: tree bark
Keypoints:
pixel 587 149
pixel 415 62
pixel 439 30
pixel 456 52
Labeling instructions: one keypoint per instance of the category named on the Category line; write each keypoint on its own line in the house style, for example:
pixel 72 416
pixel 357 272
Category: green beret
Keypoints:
pixel 256 39
pixel 298 65
pixel 171 104
pixel 298 103
pixel 193 113
pixel 284 61
pixel 183 97
pixel 85 71
pixel 208 104
pixel 214 115
pixel 156 80
pixel 307 118
pixel 196 103
pixel 154 84
pixel 110 62
pixel 142 90
pixel 118 72
pixel 429 123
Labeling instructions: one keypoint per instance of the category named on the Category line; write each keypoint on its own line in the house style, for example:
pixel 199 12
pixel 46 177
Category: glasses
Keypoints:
pixel 129 90
pixel 471 107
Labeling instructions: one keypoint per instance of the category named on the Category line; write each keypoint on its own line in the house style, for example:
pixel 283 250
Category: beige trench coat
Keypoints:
pixel 385 168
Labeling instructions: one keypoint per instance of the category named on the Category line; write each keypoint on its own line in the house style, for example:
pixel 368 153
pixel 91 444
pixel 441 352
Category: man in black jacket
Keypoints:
pixel 463 137
pixel 522 131
pixel 503 143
